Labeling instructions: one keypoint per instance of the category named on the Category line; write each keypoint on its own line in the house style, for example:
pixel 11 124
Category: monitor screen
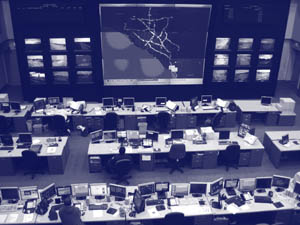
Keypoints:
pixel 162 186
pixel 198 188
pixel 216 186
pixel 147 143
pixel 25 138
pixel 206 99
pixel 266 100
pixel 177 134
pixel 39 104
pixel 247 184
pixel 80 190
pixel 9 193
pixel 133 134
pixel 122 134
pixel 96 135
pixel 128 102
pixel 224 134
pixel 134 53
pixel 297 188
pixel 180 189
pixel 138 202
pixel 109 135
pixel 147 188
pixel 15 105
pixel 6 139
pixel 152 135
pixel 27 193
pixel 53 100
pixel 284 139
pixel 263 182
pixel 108 102
pixel 48 192
pixel 281 181
pixel 98 189
pixel 117 190
pixel 61 191
pixel 231 183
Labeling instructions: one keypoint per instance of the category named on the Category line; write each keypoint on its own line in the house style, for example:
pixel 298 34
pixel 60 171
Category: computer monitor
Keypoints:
pixel 147 143
pixel 162 186
pixel 25 138
pixel 39 104
pixel 281 181
pixel 15 106
pixel 96 135
pixel 216 186
pixel 152 135
pixel 109 135
pixel 160 101
pixel 224 134
pixel 284 139
pixel 117 190
pixel 48 192
pixel 206 100
pixel 297 188
pixel 180 189
pixel 53 100
pixel 198 188
pixel 266 100
pixel 231 183
pixel 108 102
pixel 122 134
pixel 247 184
pixel 147 189
pixel 62 191
pixel 128 102
pixel 10 193
pixel 263 182
pixel 28 193
pixel 6 139
pixel 80 190
pixel 133 134
pixel 138 202
pixel 98 189
pixel 177 134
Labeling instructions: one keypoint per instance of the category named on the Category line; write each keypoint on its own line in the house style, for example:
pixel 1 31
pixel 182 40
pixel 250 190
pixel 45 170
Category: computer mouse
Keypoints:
pixel 270 194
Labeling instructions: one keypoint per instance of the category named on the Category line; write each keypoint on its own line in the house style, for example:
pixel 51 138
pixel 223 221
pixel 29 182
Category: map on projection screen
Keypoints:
pixel 153 44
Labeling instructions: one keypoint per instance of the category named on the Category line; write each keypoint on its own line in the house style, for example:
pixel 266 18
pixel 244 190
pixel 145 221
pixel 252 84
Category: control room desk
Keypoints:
pixel 277 151
pixel 56 161
pixel 251 155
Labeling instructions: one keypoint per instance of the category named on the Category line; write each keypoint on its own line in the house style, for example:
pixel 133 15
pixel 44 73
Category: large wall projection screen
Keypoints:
pixel 153 44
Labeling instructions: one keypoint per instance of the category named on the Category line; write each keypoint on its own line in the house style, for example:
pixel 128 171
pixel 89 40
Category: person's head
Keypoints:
pixel 122 150
pixel 67 201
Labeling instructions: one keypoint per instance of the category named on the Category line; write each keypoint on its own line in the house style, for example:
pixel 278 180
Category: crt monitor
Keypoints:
pixel 128 102
pixel 266 100
pixel 147 189
pixel 198 188
pixel 162 186
pixel 138 202
pixel 231 183
pixel 263 182
pixel 224 135
pixel 96 135
pixel 297 188
pixel 180 189
pixel 133 134
pixel 206 100
pixel 216 186
pixel 108 102
pixel 109 135
pixel 153 135
pixel 177 134
pixel 117 190
pixel 80 190
pixel 247 184
pixel 15 106
pixel 28 193
pixel 25 138
pixel 53 100
pixel 160 101
pixel 98 189
pixel 62 191
pixel 121 134
pixel 10 193
pixel 39 104
pixel 48 192
pixel 6 139
pixel 281 181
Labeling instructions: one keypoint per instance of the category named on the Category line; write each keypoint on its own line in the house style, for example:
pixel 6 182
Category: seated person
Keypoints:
pixel 70 215
pixel 115 158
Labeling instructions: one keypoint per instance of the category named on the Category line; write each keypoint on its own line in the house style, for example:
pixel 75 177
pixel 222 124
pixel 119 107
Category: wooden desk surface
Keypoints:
pixel 255 106
pixel 212 145
pixel 294 135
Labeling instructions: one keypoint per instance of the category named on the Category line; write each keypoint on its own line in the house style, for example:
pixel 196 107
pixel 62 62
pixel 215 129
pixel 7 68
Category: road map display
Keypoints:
pixel 153 44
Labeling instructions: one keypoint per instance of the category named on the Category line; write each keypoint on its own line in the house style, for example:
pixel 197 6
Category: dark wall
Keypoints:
pixel 235 19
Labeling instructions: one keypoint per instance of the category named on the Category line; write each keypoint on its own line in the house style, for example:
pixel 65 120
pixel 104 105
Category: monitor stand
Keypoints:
pixel 161 195
pixel 80 197
pixel 279 189
pixel 99 197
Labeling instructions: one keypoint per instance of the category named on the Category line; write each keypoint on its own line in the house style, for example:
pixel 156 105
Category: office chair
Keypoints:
pixel 32 163
pixel 122 168
pixel 59 125
pixel 163 121
pixel 174 218
pixel 231 156
pixel 111 120
pixel 4 125
pixel 176 153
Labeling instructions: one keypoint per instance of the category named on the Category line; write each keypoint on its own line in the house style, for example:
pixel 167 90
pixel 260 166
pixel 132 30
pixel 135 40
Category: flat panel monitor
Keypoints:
pixel 281 181
pixel 28 193
pixel 198 188
pixel 266 100
pixel 231 183
pixel 98 189
pixel 133 134
pixel 247 184
pixel 152 135
pixel 216 186
pixel 25 138
pixel 297 188
pixel 48 192
pixel 109 135
pixel 128 102
pixel 206 100
pixel 96 135
pixel 180 189
pixel 284 139
pixel 138 202
pixel 224 135
pixel 6 139
pixel 122 134
pixel 108 102
pixel 80 190
pixel 162 186
pixel 39 104
pixel 53 100
pixel 10 193
pixel 160 101
pixel 177 134
pixel 62 191
pixel 117 190
pixel 15 106
pixel 147 188
pixel 263 182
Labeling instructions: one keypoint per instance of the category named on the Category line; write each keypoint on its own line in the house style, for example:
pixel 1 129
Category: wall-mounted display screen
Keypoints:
pixel 265 59
pixel 61 77
pixel 58 44
pixel 151 44
pixel 84 76
pixel 243 59
pixel 219 75
pixel 222 43
pixel 37 78
pixel 245 43
pixel 59 60
pixel 221 60
pixel 241 75
pixel 267 44
pixel 82 44
pixel 263 75
pixel 33 44
pixel 35 61
pixel 83 61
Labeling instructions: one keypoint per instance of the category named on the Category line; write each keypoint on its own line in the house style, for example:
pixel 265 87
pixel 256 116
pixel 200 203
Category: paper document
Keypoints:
pixel 36 141
pixel 28 218
pixel 232 208
pixel 12 218
pixel 51 150
pixel 245 207
pixel 98 213
pixel 152 212
pixel 2 218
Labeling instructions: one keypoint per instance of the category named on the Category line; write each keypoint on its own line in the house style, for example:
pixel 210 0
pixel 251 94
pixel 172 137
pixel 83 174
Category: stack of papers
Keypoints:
pixel 51 150
pixel 12 218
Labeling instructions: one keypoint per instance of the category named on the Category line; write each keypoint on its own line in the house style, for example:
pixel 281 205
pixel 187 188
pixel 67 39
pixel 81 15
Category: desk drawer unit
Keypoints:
pixel 197 160
pixel 210 159
pixel 147 162
pixel 244 158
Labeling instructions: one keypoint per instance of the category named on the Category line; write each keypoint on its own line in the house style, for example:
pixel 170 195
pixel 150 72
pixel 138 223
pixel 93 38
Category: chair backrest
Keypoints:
pixel 3 124
pixel 174 218
pixel 123 166
pixel 59 122
pixel 111 121
pixel 232 153
pixel 177 151
pixel 29 158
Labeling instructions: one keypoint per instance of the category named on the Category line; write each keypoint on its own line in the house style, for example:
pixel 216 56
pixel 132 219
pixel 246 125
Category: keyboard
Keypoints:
pixel 160 109
pixel 7 148
pixel 154 202
pixel 262 199
pixel 23 145
pixel 231 200
pixel 56 207
pixel 8 208
pixel 98 207
pixel 224 142
pixel 160 207
pixel 230 191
